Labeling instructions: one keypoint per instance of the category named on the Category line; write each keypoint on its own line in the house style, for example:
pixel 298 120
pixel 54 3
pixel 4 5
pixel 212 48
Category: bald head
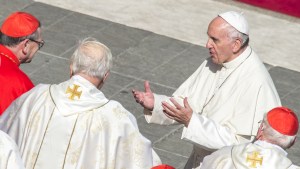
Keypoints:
pixel 91 58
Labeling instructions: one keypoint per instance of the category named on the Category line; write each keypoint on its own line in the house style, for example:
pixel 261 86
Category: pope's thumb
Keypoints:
pixel 147 87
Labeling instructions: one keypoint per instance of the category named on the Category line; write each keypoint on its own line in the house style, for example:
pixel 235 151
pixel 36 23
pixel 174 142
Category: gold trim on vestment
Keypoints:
pixel 70 141
pixel 45 130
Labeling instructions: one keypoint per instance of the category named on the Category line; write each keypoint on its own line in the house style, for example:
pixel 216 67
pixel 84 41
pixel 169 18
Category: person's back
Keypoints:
pixel 20 40
pixel 13 81
pixel 73 125
pixel 277 132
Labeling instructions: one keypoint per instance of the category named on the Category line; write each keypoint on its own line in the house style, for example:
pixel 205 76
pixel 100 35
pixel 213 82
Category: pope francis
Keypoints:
pixel 72 125
pixel 221 103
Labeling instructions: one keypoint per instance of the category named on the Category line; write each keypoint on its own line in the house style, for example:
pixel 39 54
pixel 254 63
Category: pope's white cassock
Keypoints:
pixel 72 125
pixel 228 102
pixel 260 155
pixel 10 157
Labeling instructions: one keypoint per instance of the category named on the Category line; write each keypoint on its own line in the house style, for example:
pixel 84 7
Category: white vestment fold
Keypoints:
pixel 228 102
pixel 10 157
pixel 72 125
pixel 260 155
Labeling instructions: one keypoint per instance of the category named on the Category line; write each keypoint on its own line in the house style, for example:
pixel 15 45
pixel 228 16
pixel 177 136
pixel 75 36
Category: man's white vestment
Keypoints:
pixel 260 155
pixel 10 157
pixel 228 101
pixel 72 125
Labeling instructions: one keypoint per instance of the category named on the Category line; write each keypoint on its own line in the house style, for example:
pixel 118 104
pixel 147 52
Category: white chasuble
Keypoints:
pixel 227 100
pixel 260 155
pixel 72 125
pixel 10 157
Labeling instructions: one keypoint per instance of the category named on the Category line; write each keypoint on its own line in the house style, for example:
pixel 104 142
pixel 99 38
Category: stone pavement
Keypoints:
pixel 274 36
pixel 138 55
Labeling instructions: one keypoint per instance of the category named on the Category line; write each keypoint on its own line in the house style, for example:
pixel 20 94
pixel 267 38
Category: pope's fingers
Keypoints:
pixel 138 95
pixel 170 117
pixel 167 110
pixel 135 97
pixel 169 106
pixel 176 104
pixel 134 91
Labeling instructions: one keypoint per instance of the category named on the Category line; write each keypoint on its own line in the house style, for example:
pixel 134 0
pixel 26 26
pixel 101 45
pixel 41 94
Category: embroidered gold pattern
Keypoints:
pixel 74 92
pixel 33 159
pixel 69 144
pixel 254 159
pixel 139 151
pixel 119 113
pixel 74 156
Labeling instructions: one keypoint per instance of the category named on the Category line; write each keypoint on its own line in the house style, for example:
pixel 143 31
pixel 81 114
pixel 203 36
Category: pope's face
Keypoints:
pixel 219 44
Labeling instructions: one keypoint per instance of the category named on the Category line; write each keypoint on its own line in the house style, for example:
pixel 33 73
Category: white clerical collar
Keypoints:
pixel 76 95
pixel 238 60
pixel 83 80
pixel 274 146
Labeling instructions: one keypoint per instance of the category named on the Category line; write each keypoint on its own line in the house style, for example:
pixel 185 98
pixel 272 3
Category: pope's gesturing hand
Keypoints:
pixel 146 98
pixel 181 114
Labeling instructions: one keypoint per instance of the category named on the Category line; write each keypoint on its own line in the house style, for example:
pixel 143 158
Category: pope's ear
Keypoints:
pixel 237 44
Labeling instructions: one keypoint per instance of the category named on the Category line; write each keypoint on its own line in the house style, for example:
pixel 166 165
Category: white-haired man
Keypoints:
pixel 73 125
pixel 223 99
pixel 277 132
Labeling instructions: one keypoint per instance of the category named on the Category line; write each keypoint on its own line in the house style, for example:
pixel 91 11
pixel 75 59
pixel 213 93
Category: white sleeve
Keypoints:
pixel 157 116
pixel 205 132
pixel 220 159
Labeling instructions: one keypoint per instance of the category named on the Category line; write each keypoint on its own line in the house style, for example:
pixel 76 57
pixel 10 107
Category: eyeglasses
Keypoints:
pixel 40 43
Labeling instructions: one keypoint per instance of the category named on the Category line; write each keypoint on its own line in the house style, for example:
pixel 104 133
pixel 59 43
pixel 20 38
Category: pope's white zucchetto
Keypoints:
pixel 237 20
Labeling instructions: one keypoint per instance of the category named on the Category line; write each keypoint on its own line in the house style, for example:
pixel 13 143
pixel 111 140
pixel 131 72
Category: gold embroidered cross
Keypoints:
pixel 254 159
pixel 74 92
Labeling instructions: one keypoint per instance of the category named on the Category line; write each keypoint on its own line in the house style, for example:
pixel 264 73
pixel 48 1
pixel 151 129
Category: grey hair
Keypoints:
pixel 233 33
pixel 91 58
pixel 275 137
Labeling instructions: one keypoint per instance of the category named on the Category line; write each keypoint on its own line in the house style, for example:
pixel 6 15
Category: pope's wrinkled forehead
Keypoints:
pixel 236 20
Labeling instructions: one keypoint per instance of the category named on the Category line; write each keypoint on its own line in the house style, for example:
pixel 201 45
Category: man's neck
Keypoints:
pixel 15 50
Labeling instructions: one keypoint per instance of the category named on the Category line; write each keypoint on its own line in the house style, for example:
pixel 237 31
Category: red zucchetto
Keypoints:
pixel 163 166
pixel 19 24
pixel 283 120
